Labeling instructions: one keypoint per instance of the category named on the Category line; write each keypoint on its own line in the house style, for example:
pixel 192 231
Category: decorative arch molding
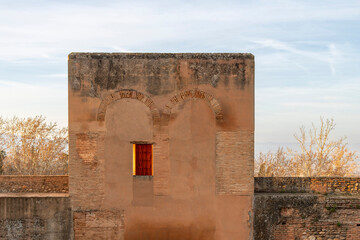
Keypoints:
pixel 195 94
pixel 126 94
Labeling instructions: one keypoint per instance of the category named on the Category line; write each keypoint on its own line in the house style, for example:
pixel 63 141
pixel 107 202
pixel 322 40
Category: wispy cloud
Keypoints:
pixel 54 28
pixel 287 108
pixel 330 56
pixel 307 52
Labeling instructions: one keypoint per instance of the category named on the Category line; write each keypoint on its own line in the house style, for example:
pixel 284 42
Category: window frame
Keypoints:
pixel 135 160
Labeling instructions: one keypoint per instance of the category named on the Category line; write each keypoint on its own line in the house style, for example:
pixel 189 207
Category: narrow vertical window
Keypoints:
pixel 142 160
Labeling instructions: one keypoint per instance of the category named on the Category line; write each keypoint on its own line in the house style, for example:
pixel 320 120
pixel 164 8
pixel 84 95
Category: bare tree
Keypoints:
pixel 2 146
pixel 272 164
pixel 33 147
pixel 2 157
pixel 319 155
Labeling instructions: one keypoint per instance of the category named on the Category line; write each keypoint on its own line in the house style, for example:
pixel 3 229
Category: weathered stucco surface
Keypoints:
pixel 35 207
pixel 35 218
pixel 198 112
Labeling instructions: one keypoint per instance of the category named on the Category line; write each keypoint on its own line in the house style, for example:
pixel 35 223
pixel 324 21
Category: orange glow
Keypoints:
pixel 134 157
pixel 136 164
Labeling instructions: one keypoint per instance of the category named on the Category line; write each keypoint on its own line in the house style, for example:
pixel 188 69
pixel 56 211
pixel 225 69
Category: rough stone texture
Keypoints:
pixel 306 208
pixel 34 184
pixel 198 112
pixel 295 213
pixel 98 225
pixel 35 218
pixel 307 185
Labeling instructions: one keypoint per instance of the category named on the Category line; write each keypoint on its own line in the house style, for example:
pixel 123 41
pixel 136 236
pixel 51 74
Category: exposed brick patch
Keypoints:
pixel 161 164
pixel 195 94
pixel 34 184
pixel 86 147
pixel 86 179
pixel 306 229
pixel 99 224
pixel 234 162
pixel 353 232
pixel 126 94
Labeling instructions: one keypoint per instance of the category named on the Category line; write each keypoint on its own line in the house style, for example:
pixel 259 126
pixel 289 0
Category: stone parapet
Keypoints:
pixel 34 184
pixel 307 185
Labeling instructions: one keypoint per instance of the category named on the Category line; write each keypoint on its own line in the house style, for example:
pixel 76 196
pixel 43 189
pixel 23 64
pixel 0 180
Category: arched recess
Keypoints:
pixel 127 93
pixel 196 94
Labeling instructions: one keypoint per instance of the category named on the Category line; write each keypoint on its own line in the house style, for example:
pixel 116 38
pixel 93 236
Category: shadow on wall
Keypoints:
pixel 201 229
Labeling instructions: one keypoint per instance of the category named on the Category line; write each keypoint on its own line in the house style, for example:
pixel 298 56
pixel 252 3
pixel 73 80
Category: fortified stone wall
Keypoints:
pixel 35 207
pixel 197 112
pixel 284 209
pixel 324 185
pixel 307 208
pixel 35 218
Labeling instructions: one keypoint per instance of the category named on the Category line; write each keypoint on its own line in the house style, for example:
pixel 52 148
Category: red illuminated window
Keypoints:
pixel 142 160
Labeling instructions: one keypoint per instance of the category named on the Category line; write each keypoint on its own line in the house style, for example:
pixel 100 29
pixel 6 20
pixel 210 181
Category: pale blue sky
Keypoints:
pixel 307 53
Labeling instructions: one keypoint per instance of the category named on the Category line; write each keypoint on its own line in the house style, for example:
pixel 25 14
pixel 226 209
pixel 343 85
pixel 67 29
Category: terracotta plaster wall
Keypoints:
pixel 198 112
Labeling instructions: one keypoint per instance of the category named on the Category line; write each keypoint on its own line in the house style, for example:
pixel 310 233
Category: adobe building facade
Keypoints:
pixel 161 145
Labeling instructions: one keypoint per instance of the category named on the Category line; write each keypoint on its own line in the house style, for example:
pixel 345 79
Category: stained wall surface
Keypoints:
pixel 24 217
pixel 198 112
pixel 307 208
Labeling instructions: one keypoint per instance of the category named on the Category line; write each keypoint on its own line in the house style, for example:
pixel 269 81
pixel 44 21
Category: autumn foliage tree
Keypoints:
pixel 31 146
pixel 318 155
